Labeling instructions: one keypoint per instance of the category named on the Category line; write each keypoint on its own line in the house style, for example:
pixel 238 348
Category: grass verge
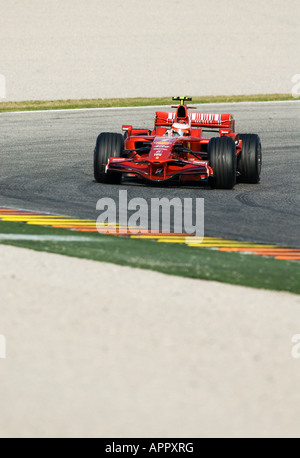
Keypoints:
pixel 132 102
pixel 173 259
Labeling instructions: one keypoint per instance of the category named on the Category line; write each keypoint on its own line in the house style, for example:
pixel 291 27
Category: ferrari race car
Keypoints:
pixel 176 149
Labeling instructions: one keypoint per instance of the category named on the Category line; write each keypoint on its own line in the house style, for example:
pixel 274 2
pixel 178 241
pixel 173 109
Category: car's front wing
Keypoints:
pixel 161 171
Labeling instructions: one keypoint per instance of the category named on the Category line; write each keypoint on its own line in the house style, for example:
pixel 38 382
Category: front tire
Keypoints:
pixel 107 145
pixel 250 159
pixel 222 159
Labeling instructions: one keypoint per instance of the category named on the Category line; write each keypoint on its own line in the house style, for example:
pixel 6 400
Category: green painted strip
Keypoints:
pixel 34 105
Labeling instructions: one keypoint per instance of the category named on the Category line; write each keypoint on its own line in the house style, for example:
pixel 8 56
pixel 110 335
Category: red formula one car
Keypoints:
pixel 177 150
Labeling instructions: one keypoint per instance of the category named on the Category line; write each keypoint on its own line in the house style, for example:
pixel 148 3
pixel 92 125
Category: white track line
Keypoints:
pixel 49 238
pixel 271 102
pixel 41 213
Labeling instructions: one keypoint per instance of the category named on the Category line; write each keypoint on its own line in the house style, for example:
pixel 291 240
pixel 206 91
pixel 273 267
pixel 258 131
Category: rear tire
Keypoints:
pixel 222 159
pixel 250 159
pixel 107 145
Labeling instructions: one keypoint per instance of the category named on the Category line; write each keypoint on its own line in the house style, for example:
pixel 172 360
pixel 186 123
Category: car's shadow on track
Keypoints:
pixel 166 185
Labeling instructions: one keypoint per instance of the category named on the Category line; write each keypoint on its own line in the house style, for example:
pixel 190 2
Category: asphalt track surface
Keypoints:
pixel 47 165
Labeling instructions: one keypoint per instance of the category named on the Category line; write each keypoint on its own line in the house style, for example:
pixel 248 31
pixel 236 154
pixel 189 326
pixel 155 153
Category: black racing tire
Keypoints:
pixel 222 159
pixel 250 159
pixel 108 145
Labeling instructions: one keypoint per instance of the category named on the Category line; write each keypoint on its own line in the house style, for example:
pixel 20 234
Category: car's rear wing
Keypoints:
pixel 213 120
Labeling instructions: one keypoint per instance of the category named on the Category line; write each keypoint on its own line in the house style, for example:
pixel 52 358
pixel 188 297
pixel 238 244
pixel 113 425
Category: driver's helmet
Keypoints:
pixel 181 129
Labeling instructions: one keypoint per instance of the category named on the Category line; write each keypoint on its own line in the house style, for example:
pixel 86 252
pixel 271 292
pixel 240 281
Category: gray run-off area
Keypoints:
pixel 97 350
pixel 99 49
